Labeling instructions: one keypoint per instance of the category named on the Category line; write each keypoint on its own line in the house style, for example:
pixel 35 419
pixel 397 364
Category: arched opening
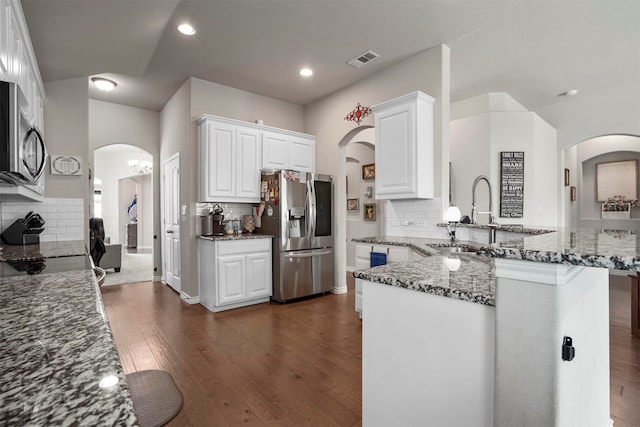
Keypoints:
pixel 581 162
pixel 352 221
pixel 123 198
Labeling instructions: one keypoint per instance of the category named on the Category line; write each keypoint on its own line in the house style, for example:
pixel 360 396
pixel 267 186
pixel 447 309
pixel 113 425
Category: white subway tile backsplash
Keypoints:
pixel 416 218
pixel 64 217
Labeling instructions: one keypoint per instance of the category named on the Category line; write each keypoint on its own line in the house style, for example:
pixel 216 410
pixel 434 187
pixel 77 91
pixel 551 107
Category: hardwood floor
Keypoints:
pixel 269 364
pixel 293 364
pixel 625 357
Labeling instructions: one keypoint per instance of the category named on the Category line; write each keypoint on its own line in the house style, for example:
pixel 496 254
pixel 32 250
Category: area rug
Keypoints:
pixel 135 268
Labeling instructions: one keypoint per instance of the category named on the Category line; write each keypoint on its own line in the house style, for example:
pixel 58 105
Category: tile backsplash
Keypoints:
pixel 64 218
pixel 414 218
pixel 229 210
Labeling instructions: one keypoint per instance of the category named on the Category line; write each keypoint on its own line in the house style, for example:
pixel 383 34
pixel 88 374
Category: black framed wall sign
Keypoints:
pixel 511 184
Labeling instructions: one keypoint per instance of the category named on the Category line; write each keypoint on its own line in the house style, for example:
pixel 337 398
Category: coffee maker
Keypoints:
pixel 212 222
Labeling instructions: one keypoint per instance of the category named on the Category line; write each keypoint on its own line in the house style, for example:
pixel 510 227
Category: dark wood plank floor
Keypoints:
pixel 269 364
pixel 292 365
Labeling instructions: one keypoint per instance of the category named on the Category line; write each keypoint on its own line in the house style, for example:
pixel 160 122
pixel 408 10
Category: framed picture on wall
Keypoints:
pixel 369 171
pixel 369 211
pixel 353 204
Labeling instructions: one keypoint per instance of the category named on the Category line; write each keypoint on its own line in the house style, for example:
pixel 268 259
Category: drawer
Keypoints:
pixel 230 247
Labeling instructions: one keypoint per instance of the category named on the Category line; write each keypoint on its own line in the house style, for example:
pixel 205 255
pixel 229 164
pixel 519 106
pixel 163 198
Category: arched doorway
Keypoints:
pixel 362 134
pixel 580 160
pixel 123 198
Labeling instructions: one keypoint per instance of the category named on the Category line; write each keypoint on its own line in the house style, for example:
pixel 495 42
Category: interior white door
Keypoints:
pixel 171 221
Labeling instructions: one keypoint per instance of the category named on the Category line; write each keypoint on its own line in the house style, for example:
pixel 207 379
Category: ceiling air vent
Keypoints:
pixel 362 59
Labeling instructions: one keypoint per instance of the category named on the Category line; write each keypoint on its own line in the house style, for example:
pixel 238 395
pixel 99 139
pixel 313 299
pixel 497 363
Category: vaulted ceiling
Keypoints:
pixel 531 49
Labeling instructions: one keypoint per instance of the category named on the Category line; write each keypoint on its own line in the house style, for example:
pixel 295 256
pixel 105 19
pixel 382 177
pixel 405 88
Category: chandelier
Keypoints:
pixel 140 167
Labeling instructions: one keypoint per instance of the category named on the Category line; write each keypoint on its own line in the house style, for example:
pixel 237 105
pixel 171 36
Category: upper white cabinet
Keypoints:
pixel 404 147
pixel 288 150
pixel 17 60
pixel 229 161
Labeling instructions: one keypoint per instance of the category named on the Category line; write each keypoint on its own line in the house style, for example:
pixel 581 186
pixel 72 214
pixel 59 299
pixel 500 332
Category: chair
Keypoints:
pixel 105 255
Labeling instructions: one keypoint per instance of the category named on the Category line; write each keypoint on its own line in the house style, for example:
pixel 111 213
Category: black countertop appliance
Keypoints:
pixel 24 231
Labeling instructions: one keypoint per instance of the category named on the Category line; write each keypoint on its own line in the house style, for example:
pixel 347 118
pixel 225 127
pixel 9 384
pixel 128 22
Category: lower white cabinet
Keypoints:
pixel 394 253
pixel 363 259
pixel 234 273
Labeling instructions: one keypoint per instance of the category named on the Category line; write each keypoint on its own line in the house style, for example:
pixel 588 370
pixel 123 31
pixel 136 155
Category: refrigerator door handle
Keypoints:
pixel 310 210
pixel 312 205
pixel 306 254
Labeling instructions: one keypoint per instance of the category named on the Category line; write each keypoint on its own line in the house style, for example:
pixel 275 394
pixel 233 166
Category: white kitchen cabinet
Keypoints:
pixel 229 166
pixel 18 65
pixel 404 147
pixel 363 260
pixel 234 273
pixel 288 150
pixel 394 253
pixel 5 33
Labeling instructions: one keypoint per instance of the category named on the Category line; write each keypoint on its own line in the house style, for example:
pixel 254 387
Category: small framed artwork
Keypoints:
pixel 352 205
pixel 369 211
pixel 566 177
pixel 369 171
pixel 573 193
pixel 66 165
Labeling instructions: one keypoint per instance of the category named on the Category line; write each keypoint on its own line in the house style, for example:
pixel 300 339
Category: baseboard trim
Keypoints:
pixel 189 299
pixel 339 290
pixel 156 279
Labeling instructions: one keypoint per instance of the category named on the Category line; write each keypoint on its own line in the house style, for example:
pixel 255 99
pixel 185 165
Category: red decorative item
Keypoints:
pixel 358 113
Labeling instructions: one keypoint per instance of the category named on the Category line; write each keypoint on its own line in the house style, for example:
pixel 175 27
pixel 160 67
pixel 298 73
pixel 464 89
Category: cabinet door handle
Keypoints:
pixel 170 231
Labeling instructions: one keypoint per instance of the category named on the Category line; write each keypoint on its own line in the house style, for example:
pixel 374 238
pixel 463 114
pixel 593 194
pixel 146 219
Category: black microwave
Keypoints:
pixel 22 150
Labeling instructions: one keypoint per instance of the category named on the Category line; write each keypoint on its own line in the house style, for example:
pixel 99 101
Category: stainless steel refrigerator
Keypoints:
pixel 299 213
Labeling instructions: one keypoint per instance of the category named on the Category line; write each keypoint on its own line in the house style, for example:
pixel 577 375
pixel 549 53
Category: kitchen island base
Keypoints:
pixel 537 306
pixel 426 359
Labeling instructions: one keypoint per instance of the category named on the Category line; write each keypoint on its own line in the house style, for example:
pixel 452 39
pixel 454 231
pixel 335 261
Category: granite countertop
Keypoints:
pixel 417 243
pixel 56 348
pixel 42 250
pixel 512 228
pixel 473 280
pixel 611 249
pixel 244 236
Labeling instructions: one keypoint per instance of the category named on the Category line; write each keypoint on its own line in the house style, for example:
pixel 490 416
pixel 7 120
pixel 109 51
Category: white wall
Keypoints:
pixel 111 167
pixel 178 132
pixel 356 225
pixel 427 72
pixel 111 123
pixel 581 159
pixel 478 137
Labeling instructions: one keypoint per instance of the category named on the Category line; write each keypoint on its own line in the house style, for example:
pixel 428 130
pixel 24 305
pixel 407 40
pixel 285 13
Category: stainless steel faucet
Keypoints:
pixel 474 211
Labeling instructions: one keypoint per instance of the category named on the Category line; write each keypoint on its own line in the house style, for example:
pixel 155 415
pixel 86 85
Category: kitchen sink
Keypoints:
pixel 454 249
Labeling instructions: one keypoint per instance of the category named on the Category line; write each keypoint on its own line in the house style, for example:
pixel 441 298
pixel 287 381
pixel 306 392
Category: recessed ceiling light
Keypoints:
pixel 569 93
pixel 186 29
pixel 104 84
pixel 306 72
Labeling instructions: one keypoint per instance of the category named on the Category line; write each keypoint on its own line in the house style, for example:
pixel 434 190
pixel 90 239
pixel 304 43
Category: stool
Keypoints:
pixel 156 399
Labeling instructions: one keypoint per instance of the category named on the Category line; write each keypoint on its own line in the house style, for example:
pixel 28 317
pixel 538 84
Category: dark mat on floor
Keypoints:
pixel 156 399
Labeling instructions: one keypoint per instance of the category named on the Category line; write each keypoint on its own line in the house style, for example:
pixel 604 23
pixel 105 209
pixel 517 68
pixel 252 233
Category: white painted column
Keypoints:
pixel 537 304
pixel 340 238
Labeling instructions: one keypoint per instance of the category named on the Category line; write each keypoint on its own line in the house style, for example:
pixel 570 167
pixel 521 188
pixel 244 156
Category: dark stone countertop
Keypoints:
pixel 56 349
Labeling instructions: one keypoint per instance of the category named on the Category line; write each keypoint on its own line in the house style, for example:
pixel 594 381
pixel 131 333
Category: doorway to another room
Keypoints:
pixel 123 198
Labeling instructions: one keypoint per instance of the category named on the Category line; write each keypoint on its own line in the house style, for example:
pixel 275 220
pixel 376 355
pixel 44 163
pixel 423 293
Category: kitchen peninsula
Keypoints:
pixel 433 350
pixel 58 362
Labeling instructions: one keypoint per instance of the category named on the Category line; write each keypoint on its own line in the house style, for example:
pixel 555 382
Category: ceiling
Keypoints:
pixel 531 49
